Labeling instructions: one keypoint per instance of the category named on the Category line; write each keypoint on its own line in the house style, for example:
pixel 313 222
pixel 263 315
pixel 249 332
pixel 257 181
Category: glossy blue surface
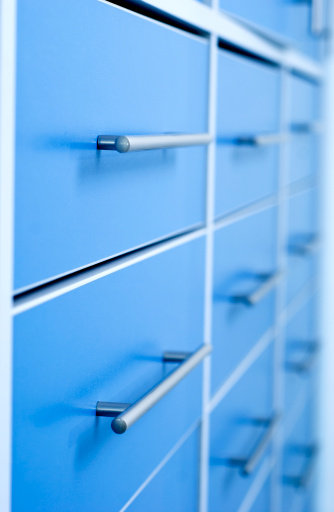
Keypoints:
pixel 248 105
pixel 303 224
pixel 175 488
pixel 242 250
pixel 103 341
pixel 86 68
pixel 233 434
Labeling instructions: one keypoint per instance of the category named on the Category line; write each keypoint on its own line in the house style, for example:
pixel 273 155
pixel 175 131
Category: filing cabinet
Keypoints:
pixel 166 240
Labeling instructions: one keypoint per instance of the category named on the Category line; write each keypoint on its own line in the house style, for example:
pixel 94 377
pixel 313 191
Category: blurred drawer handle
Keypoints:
pixel 305 128
pixel 308 362
pixel 304 248
pixel 268 283
pixel 126 143
pixel 302 481
pixel 247 466
pixel 262 140
pixel 127 414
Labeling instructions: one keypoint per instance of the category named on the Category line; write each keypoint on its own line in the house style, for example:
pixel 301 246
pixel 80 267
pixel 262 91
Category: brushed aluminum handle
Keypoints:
pixel 302 481
pixel 305 365
pixel 127 414
pixel 267 139
pixel 269 281
pixel 249 464
pixel 127 143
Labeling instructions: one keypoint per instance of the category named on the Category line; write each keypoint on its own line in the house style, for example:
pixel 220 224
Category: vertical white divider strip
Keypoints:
pixel 7 138
pixel 211 159
pixel 283 174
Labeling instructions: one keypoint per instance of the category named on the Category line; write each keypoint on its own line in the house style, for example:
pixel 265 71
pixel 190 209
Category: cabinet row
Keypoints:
pixel 79 201
pixel 107 343
pixel 301 24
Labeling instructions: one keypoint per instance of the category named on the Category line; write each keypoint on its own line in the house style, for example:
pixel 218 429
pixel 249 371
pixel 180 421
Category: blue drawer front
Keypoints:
pixel 86 68
pixel 305 100
pixel 248 96
pixel 304 156
pixel 303 226
pixel 300 336
pixel 263 500
pixel 233 434
pixel 245 174
pixel 241 252
pixel 103 342
pixel 175 488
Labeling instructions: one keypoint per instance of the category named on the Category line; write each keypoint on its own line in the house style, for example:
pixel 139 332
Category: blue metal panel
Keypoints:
pixel 233 434
pixel 175 488
pixel 87 68
pixel 248 104
pixel 263 499
pixel 103 341
pixel 303 225
pixel 242 251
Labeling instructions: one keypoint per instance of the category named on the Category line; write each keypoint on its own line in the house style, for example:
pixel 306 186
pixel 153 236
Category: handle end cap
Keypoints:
pixel 119 426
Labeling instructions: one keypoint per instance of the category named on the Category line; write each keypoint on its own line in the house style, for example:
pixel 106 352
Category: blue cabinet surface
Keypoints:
pixel 301 243
pixel 234 433
pixel 175 488
pixel 244 255
pixel 104 342
pixel 248 106
pixel 86 68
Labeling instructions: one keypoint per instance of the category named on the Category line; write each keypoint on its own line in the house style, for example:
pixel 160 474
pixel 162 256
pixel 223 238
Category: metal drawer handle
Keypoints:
pixel 248 465
pixel 302 481
pixel 262 140
pixel 269 282
pixel 307 363
pixel 304 128
pixel 126 143
pixel 305 248
pixel 127 414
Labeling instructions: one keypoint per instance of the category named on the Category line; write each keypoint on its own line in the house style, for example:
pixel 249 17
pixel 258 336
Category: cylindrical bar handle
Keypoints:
pixel 267 139
pixel 127 143
pixel 269 281
pixel 249 464
pixel 305 365
pixel 301 481
pixel 134 412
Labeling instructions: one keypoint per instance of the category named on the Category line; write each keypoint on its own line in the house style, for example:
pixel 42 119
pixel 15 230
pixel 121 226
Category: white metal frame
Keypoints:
pixel 216 25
